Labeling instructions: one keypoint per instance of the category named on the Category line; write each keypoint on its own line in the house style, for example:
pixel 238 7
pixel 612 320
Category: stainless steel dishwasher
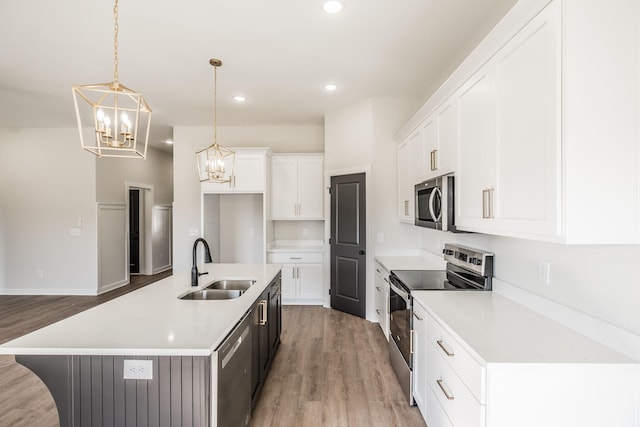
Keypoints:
pixel 234 376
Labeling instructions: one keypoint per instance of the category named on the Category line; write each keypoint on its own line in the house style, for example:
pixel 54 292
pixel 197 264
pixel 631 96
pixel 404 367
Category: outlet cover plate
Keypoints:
pixel 138 369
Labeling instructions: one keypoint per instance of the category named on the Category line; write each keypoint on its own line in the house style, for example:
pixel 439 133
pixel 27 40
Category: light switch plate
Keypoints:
pixel 138 369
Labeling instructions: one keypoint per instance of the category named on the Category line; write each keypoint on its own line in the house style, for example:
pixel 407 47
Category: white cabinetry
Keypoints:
pixel 382 298
pixel 301 276
pixel 249 173
pixel 509 170
pixel 429 151
pixel 420 357
pixel 405 180
pixel 296 187
pixel 548 119
pixel 494 363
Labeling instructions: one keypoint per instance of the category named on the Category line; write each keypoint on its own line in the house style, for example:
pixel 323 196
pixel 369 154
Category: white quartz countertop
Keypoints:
pixel 152 320
pixel 411 263
pixel 498 330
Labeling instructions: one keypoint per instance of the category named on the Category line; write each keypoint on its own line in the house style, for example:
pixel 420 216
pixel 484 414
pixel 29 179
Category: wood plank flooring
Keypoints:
pixel 331 368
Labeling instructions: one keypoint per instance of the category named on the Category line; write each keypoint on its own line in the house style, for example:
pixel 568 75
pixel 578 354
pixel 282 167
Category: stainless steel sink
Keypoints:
pixel 239 285
pixel 212 294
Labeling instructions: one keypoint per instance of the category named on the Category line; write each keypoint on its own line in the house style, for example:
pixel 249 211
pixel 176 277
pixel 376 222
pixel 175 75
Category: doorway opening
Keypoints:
pixel 140 207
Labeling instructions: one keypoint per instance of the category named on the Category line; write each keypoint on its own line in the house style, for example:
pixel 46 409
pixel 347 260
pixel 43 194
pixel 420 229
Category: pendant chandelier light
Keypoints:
pixel 215 163
pixel 116 114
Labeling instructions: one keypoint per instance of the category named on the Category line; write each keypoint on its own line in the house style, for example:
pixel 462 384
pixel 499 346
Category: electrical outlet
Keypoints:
pixel 380 238
pixel 544 272
pixel 138 369
pixel 252 232
pixel 305 232
pixel 39 274
pixel 193 232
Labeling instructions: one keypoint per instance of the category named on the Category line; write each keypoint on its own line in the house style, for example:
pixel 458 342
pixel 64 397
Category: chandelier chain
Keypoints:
pixel 115 41
pixel 215 106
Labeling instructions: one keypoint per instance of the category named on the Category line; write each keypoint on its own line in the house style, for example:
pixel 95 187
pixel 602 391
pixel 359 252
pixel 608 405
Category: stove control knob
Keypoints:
pixel 475 261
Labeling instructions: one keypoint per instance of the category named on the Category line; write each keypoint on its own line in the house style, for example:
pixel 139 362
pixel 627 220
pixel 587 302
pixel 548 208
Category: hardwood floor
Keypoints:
pixel 331 368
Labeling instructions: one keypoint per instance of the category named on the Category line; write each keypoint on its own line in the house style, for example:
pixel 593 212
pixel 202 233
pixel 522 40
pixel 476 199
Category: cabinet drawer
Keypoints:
pixel 435 415
pixel 456 399
pixel 295 257
pixel 470 371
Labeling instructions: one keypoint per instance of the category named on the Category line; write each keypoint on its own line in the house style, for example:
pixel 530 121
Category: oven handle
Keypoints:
pixel 394 286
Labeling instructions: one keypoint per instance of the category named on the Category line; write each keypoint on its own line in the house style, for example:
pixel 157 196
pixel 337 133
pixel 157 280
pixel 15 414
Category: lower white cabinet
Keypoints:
pixel 420 358
pixel 493 363
pixel 382 298
pixel 301 277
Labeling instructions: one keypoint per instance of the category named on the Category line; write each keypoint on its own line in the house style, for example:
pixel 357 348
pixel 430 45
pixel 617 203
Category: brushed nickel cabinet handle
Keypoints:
pixel 263 317
pixel 411 342
pixel 444 390
pixel 295 257
pixel 406 207
pixel 378 311
pixel 445 349
pixel 416 316
pixel 435 160
pixel 485 203
pixel 490 199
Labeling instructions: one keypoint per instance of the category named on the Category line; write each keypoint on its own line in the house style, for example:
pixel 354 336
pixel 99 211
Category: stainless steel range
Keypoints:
pixel 467 270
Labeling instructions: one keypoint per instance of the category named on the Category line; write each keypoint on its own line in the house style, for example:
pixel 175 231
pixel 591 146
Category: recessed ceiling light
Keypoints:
pixel 333 6
pixel 239 98
pixel 330 87
pixel 169 141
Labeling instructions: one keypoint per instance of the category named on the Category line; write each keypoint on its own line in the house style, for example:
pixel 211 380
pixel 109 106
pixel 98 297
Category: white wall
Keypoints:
pixel 156 171
pixel 298 230
pixel 361 136
pixel 47 185
pixel 186 213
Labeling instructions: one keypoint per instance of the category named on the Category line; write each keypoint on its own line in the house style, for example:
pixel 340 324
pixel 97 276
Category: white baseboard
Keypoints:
pixel 36 291
pixel 113 286
pixel 161 269
pixel 619 339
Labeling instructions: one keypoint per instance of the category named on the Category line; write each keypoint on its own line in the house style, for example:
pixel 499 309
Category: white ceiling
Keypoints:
pixel 279 54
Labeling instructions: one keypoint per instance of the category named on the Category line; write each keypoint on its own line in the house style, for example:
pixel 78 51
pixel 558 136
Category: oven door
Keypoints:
pixel 400 318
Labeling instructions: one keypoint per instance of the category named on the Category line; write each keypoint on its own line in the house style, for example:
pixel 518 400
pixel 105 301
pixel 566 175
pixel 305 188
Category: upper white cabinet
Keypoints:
pixel 509 174
pixel 405 179
pixel 296 186
pixel 429 151
pixel 249 173
pixel 547 123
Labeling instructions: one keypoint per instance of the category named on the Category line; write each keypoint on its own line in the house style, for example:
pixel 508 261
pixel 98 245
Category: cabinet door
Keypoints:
pixel 310 194
pixel 405 190
pixel 420 356
pixel 249 173
pixel 380 302
pixel 447 121
pixel 274 316
pixel 429 152
pixel 476 148
pixel 284 188
pixel 528 138
pixel 289 282
pixel 309 281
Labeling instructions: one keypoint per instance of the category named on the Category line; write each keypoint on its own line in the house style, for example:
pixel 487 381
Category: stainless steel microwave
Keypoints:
pixel 435 203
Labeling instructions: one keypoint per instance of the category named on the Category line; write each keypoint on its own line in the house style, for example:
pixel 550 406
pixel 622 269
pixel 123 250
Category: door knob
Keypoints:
pixel 362 252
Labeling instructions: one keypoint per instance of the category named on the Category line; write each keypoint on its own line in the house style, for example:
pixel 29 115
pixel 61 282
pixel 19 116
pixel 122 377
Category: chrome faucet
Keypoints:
pixel 207 259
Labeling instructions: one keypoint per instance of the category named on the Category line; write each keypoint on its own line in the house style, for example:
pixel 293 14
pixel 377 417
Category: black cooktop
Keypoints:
pixel 416 280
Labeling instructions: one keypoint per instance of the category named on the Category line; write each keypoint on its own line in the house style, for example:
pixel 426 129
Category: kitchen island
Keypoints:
pixel 81 358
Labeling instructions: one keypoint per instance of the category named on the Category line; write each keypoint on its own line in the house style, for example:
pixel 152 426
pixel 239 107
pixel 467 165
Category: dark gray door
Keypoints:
pixel 348 244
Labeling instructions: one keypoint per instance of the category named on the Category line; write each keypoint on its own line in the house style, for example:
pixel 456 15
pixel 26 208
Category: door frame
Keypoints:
pixel 146 232
pixel 326 273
